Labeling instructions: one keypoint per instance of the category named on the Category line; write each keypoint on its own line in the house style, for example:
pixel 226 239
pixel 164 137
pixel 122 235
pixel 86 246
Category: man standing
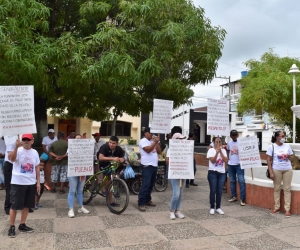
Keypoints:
pixel 25 182
pixel 58 150
pixel 72 135
pixel 234 169
pixel 2 156
pixel 149 148
pixel 47 141
pixel 191 182
pixel 98 144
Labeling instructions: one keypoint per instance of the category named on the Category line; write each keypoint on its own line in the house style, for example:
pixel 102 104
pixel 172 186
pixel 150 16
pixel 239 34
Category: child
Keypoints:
pixel 42 180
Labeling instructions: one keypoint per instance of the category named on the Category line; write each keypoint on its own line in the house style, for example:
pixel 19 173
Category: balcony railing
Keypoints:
pixel 239 120
pixel 257 119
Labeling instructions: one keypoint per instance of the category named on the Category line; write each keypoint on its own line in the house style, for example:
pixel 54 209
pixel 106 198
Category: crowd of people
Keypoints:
pixel 25 174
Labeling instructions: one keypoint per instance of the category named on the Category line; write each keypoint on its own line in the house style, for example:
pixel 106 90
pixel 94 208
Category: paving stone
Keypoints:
pixel 262 221
pixel 202 214
pixel 123 220
pixel 184 230
pixel 159 246
pixel 131 236
pixel 81 240
pixel 289 235
pixel 42 213
pixel 263 242
pixel 160 207
pixel 63 212
pixel 47 203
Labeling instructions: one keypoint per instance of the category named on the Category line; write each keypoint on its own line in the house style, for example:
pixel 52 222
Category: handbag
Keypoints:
pixel 268 172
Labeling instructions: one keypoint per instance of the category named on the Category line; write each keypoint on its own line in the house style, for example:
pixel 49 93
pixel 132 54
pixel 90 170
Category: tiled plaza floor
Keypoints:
pixel 240 228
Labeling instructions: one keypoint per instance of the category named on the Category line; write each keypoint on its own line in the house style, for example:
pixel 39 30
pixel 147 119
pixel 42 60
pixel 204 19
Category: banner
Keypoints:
pixel 248 152
pixel 162 115
pixel 17 110
pixel 181 159
pixel 81 157
pixel 218 117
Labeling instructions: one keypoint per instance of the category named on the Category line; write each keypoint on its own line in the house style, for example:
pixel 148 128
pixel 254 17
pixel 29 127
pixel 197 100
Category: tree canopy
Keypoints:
pixel 268 88
pixel 88 58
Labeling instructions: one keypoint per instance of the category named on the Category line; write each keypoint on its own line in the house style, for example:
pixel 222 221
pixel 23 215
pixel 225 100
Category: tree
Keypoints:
pixel 268 88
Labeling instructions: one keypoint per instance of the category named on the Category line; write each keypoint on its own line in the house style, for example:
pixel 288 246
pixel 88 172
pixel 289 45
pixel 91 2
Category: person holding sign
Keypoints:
pixel 279 156
pixel 25 182
pixel 149 150
pixel 177 188
pixel 216 174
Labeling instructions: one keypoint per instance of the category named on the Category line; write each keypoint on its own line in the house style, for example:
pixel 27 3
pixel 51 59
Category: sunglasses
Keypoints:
pixel 26 139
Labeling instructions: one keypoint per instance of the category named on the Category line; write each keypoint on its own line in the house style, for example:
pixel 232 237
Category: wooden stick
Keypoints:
pixel 180 183
pixel 252 173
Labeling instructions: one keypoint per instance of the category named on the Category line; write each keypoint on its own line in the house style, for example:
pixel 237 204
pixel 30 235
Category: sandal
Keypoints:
pixel 53 190
pixel 62 191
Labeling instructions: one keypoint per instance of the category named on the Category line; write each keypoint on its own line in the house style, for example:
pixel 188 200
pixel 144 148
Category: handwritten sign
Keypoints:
pixel 162 115
pixel 81 157
pixel 11 139
pixel 248 152
pixel 218 117
pixel 17 110
pixel 181 159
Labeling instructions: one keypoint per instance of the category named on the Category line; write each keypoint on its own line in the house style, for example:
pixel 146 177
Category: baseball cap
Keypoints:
pixel 27 136
pixel 178 136
pixel 96 134
pixel 51 130
pixel 233 132
pixel 147 130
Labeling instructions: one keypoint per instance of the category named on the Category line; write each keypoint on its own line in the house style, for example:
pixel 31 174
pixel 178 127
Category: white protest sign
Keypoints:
pixel 181 159
pixel 81 157
pixel 11 139
pixel 162 115
pixel 17 110
pixel 218 117
pixel 248 152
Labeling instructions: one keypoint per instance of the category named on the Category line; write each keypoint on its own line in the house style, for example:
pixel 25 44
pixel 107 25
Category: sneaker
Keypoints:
pixel 24 228
pixel 242 202
pixel 36 207
pixel 233 199
pixel 179 215
pixel 287 214
pixel 12 232
pixel 83 210
pixel 114 204
pixel 212 211
pixel 150 204
pixel 71 213
pixel 39 205
pixel 220 211
pixel 193 184
pixel 275 211
pixel 142 208
pixel 172 216
pixel 30 210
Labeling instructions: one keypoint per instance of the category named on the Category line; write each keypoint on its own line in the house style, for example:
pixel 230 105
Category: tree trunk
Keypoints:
pixel 113 126
pixel 40 111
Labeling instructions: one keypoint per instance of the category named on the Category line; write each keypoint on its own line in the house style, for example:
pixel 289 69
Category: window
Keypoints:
pixel 122 128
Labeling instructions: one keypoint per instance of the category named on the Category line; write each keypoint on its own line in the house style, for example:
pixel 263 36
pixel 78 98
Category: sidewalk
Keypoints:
pixel 240 228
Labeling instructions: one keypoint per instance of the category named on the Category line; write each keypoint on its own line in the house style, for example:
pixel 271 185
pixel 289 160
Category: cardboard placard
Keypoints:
pixel 248 152
pixel 162 115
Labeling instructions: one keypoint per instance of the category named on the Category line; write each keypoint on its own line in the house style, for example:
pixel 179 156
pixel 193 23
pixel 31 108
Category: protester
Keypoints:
pixel 2 156
pixel 25 182
pixel 47 141
pixel 216 174
pixel 76 187
pixel 279 156
pixel 72 135
pixel 191 182
pixel 234 169
pixel 98 144
pixel 58 150
pixel 149 150
pixel 110 152
pixel 177 188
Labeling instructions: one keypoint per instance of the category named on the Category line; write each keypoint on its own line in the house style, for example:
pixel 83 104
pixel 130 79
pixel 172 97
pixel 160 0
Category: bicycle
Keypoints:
pixel 118 188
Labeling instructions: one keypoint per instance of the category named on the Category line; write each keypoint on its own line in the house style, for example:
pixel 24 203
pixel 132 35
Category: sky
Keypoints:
pixel 252 26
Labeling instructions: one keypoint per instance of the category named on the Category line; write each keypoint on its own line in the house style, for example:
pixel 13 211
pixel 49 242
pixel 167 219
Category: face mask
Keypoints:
pixel 282 140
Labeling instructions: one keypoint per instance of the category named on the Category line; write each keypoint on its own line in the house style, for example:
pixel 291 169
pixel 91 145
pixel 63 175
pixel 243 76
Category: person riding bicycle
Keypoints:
pixel 110 152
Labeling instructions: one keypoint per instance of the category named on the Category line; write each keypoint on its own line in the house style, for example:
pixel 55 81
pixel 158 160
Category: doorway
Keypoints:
pixel 259 140
pixel 66 125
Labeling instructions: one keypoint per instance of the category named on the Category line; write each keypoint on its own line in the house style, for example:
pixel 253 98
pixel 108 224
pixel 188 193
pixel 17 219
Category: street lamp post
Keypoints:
pixel 294 70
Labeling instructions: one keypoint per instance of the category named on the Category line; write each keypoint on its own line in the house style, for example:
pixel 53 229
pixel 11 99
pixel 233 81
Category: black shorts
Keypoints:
pixel 41 190
pixel 22 196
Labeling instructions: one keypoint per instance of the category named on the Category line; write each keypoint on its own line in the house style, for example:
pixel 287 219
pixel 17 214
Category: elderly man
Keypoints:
pixel 25 182
pixel 149 148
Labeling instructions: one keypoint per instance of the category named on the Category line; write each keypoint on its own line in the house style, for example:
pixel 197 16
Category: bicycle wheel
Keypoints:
pixel 160 184
pixel 89 189
pixel 119 192
pixel 136 186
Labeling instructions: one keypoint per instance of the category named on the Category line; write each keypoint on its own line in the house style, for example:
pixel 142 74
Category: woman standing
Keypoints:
pixel 216 174
pixel 177 189
pixel 279 156
pixel 76 186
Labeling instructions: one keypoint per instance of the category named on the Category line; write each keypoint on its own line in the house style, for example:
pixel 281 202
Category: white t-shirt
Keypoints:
pixel 47 141
pixel 148 158
pixel 219 165
pixel 234 158
pixel 280 160
pixel 23 172
pixel 9 148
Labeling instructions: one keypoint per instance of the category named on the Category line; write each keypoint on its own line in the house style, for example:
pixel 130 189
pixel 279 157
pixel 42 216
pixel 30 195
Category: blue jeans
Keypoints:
pixel 1 171
pixel 216 183
pixel 76 186
pixel 235 170
pixel 177 194
pixel 148 180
